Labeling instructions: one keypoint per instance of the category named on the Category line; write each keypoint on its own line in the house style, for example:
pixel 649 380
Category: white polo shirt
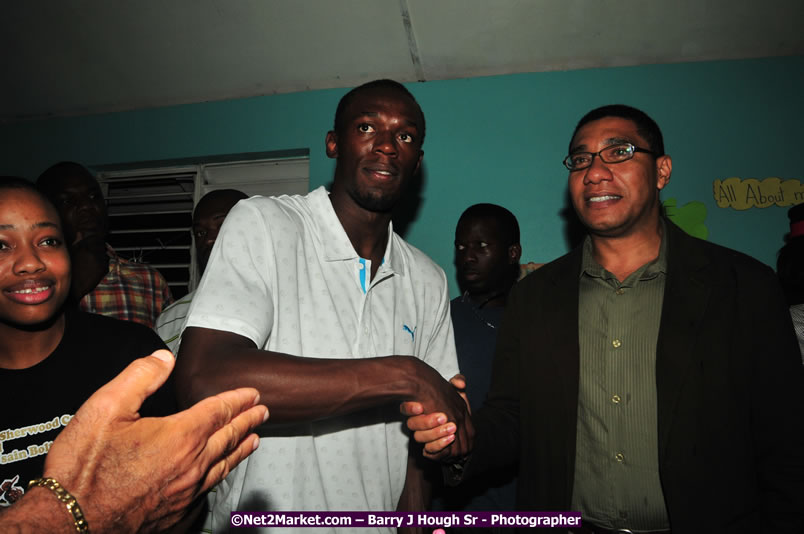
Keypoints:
pixel 170 322
pixel 284 274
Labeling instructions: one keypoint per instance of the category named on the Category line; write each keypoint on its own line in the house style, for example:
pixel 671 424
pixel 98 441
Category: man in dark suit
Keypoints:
pixel 648 379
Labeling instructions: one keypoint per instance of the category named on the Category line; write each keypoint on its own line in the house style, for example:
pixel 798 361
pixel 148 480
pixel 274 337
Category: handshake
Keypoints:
pixel 444 438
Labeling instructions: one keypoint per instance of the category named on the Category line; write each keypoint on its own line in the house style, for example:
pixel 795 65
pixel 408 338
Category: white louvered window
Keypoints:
pixel 150 209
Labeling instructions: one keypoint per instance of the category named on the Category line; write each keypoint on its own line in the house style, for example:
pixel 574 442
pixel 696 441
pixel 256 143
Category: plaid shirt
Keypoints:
pixel 129 291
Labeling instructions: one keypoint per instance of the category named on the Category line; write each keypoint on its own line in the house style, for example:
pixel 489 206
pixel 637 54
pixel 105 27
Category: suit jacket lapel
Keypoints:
pixel 686 296
pixel 563 327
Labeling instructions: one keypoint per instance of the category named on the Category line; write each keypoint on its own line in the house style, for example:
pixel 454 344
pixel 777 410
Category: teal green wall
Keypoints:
pixel 496 139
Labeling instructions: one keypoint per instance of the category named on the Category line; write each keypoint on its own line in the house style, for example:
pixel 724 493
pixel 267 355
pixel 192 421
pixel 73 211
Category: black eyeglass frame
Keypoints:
pixel 633 149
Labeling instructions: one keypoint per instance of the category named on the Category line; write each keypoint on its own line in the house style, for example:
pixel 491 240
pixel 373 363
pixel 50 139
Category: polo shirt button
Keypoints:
pixel 616 343
pixel 615 399
pixel 620 457
pixel 620 291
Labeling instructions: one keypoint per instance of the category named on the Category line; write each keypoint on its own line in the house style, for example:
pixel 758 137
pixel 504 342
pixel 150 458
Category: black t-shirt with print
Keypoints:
pixel 39 401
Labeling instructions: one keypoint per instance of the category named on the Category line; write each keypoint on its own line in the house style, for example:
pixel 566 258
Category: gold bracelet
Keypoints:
pixel 64 496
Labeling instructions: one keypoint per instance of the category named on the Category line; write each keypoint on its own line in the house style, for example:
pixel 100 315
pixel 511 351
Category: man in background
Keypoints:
pixel 208 216
pixel 102 281
pixel 487 252
pixel 790 269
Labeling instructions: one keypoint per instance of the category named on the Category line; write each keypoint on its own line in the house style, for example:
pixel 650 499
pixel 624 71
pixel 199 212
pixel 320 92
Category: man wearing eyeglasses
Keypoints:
pixel 647 379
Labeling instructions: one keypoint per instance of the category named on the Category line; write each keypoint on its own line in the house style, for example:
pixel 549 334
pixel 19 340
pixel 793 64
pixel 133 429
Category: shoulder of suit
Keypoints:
pixel 718 254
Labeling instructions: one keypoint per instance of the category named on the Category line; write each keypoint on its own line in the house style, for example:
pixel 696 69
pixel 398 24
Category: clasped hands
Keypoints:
pixel 444 438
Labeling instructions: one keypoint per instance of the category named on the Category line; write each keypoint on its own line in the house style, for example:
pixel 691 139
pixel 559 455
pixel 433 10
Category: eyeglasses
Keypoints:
pixel 610 154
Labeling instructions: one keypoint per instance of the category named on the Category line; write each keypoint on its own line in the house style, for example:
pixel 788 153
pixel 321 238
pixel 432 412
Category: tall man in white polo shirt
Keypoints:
pixel 317 303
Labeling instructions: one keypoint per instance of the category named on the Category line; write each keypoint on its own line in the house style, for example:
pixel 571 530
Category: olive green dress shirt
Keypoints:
pixel 616 482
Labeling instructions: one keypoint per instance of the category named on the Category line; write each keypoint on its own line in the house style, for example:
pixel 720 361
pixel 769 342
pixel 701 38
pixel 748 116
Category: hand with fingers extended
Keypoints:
pixel 444 438
pixel 134 474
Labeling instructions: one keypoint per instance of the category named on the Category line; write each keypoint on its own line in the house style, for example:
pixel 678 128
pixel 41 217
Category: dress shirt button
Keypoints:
pixel 615 399
pixel 620 291
pixel 620 457
pixel 616 343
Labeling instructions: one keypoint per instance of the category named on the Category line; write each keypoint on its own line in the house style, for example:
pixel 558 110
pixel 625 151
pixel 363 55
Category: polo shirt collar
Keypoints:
pixel 335 242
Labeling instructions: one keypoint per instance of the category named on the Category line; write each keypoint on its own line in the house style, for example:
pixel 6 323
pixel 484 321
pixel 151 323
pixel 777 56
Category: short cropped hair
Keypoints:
pixel 507 221
pixel 50 181
pixel 646 127
pixel 234 195
pixel 376 84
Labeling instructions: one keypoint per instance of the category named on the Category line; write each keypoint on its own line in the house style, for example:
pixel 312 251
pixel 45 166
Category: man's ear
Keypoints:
pixel 332 144
pixel 514 253
pixel 664 167
pixel 419 163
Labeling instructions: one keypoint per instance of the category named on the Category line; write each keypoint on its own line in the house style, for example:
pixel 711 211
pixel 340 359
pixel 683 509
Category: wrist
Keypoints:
pixel 406 378
pixel 454 470
pixel 37 511
pixel 97 500
pixel 62 498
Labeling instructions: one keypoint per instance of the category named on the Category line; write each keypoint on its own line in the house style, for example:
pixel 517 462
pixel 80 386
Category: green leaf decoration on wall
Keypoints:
pixel 691 217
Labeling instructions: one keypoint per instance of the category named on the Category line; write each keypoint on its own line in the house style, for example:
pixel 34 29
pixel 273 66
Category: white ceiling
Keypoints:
pixel 72 57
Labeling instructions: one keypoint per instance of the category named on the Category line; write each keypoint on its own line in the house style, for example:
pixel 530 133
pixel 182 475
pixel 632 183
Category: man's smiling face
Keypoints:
pixel 613 200
pixel 378 148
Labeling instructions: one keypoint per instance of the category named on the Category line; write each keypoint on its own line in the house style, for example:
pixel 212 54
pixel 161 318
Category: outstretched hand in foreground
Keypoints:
pixel 134 474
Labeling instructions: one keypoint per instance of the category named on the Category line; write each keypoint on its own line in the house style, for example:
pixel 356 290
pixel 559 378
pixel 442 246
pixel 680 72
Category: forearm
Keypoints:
pixel 417 492
pixel 38 511
pixel 305 389
pixel 296 388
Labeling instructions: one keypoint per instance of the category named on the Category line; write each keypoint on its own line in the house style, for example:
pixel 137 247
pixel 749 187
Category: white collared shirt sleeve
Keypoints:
pixel 235 293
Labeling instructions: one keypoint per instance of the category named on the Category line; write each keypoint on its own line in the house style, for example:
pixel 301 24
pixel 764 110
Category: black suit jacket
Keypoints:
pixel 730 392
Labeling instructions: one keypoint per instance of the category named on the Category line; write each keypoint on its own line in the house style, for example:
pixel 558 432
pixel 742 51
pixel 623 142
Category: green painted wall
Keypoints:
pixel 496 139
